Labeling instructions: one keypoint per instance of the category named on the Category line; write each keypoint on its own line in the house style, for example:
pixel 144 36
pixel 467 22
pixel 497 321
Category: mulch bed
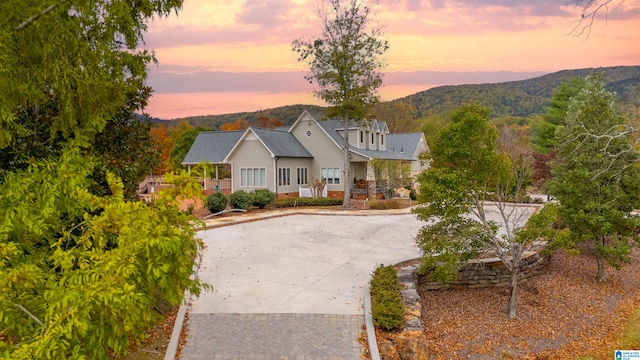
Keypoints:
pixel 563 314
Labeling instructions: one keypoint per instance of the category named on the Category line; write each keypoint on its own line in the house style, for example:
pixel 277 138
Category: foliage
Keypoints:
pixel 384 204
pixel 160 136
pixel 520 98
pixel 344 61
pixel 391 174
pixel 594 176
pixel 306 201
pixel 239 124
pixel 466 170
pixel 286 114
pixel 181 145
pixel 263 197
pixel 125 147
pixel 96 266
pixel 217 202
pixel 399 116
pixel 544 131
pixel 82 270
pixel 268 122
pixel 87 63
pixel 387 307
pixel 240 199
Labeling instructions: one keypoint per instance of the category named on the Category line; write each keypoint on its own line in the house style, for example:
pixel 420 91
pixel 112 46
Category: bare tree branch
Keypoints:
pixel 589 9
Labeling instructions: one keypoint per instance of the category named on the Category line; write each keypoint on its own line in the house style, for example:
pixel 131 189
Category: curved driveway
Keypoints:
pixel 291 287
pixel 313 264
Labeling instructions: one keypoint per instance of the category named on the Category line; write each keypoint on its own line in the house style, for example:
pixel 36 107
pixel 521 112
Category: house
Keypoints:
pixel 286 159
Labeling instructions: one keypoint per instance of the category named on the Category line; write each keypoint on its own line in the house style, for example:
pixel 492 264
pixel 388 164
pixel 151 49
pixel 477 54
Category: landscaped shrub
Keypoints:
pixel 384 204
pixel 306 201
pixel 240 200
pixel 263 197
pixel 217 202
pixel 387 308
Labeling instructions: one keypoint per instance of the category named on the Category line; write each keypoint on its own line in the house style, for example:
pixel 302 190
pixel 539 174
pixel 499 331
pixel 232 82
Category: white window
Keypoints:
pixel 284 177
pixel 330 175
pixel 253 177
pixel 372 137
pixel 381 139
pixel 302 176
pixel 361 136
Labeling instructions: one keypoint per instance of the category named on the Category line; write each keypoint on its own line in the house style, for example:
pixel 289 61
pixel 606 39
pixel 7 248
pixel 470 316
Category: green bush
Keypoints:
pixel 296 201
pixel 387 307
pixel 217 202
pixel 384 204
pixel 240 199
pixel 263 197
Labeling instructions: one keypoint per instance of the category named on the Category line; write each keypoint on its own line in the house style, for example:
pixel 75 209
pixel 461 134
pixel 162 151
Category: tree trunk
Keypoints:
pixel 600 261
pixel 511 308
pixel 346 165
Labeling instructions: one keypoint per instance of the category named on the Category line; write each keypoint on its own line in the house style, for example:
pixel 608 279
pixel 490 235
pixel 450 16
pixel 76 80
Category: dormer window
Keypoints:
pixel 381 139
pixel 372 138
pixel 361 136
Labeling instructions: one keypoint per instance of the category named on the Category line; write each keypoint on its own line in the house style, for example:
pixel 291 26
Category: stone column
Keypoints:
pixel 371 182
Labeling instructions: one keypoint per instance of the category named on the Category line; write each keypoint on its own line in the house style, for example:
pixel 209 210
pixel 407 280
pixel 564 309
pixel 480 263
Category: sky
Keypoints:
pixel 217 57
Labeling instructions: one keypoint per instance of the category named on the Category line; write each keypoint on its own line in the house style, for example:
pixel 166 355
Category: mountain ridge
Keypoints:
pixel 512 98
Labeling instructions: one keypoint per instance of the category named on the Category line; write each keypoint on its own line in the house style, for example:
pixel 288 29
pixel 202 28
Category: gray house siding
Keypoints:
pixel 292 164
pixel 327 154
pixel 251 154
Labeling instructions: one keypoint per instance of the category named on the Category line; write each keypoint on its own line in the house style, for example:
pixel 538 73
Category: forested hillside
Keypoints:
pixel 521 98
pixel 287 114
pixel 514 98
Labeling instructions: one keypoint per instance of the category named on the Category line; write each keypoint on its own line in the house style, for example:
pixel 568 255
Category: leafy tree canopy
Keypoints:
pixel 594 176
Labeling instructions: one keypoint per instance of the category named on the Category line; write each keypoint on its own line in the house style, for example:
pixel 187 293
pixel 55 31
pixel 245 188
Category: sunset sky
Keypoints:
pixel 228 56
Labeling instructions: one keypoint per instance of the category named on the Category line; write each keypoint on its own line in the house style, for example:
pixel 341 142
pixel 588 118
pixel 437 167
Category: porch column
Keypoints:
pixel 371 182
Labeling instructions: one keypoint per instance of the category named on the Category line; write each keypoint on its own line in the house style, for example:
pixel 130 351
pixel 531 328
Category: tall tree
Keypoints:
pixel 164 144
pixel 182 144
pixel 594 176
pixel 467 169
pixel 81 271
pixel 345 62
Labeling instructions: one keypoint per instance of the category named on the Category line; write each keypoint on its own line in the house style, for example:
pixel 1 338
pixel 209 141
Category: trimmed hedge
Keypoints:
pixel 263 197
pixel 384 204
pixel 387 307
pixel 240 199
pixel 296 201
pixel 217 202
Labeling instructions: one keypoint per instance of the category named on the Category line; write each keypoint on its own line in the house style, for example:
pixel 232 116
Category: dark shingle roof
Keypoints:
pixel 281 143
pixel 395 143
pixel 407 142
pixel 212 146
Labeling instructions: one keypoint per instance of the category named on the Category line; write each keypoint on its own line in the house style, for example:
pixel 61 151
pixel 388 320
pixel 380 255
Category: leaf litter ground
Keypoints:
pixel 563 314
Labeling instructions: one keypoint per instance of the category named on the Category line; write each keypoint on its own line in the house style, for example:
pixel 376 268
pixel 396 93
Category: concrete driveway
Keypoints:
pixel 311 264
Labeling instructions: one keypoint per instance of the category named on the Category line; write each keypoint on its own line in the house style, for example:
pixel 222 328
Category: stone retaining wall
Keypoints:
pixel 490 272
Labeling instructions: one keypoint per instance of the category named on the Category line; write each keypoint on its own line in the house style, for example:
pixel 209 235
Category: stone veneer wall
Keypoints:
pixel 490 272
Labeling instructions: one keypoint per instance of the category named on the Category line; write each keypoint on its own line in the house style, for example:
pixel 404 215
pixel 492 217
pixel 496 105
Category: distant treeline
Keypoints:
pixel 515 98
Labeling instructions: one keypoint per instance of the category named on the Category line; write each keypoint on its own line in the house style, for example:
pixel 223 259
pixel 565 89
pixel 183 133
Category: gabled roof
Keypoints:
pixel 406 143
pixel 373 125
pixel 331 127
pixel 212 147
pixel 280 143
pixel 383 127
